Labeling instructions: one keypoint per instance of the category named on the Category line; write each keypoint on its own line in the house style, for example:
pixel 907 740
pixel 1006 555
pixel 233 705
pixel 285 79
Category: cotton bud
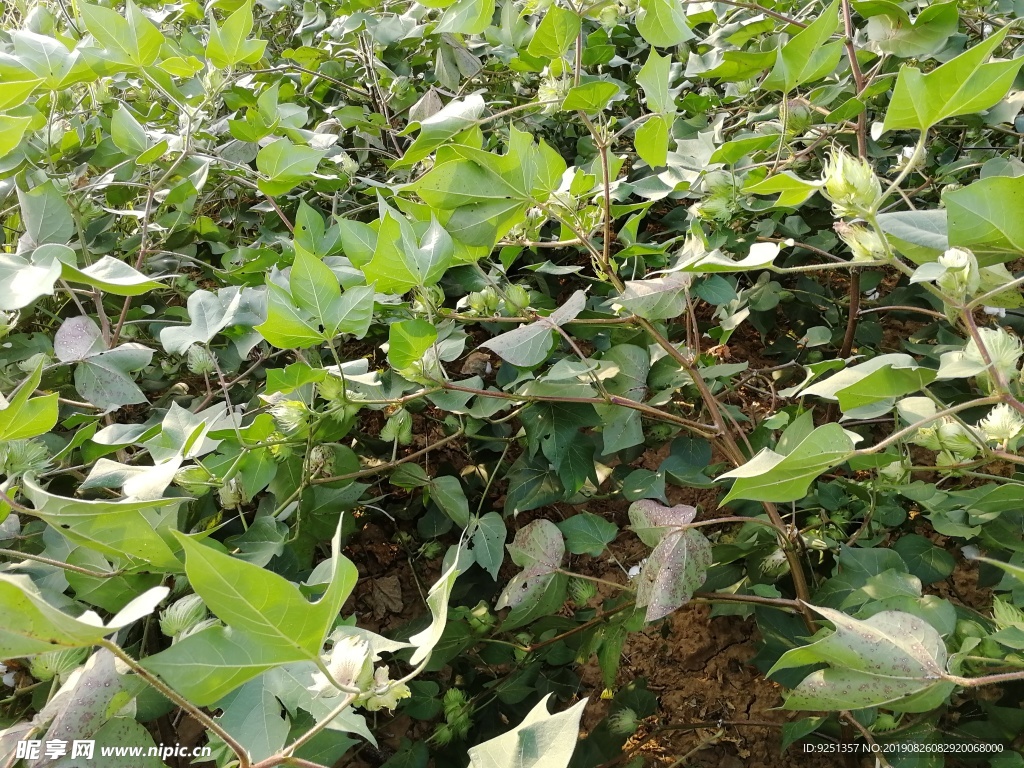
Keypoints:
pixel 200 360
pixel 517 298
pixel 232 495
pixel 194 480
pixel 182 615
pixel 7 322
pixel 851 184
pixel 623 722
pixel 1002 424
pixel 946 437
pixel 347 164
pixel 896 473
pixel 865 243
pixel 609 16
pixel 961 276
pixel 398 428
pixel 582 591
pixel 57 664
pixel 1004 350
pixel 484 302
pixel 21 457
pixel 321 460
pixel 291 415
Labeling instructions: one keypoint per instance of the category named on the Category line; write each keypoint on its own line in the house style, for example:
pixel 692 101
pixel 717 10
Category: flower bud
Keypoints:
pixel 609 16
pixel 20 457
pixel 864 243
pixel 398 428
pixel 200 360
pixel 582 591
pixel 181 615
pixel 1002 424
pixel 851 184
pixel 517 298
pixel 232 495
pixel 194 480
pixel 57 664
pixel 291 415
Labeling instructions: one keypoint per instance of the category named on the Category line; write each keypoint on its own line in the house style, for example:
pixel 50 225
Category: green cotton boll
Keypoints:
pixel 517 298
pixel 321 460
pixel 582 591
pixel 194 480
pixel 623 722
pixel 292 416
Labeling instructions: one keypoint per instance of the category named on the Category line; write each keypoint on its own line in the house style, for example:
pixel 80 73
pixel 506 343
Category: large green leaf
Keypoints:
pixel 264 605
pixel 401 261
pixel 985 217
pixel 771 476
pixel 891 659
pixel 808 56
pixel 663 23
pixel 961 86
pixel 135 39
pixel 31 625
pixel 229 45
pixel 542 740
pixel 556 32
pixel 25 416
pixel 894 32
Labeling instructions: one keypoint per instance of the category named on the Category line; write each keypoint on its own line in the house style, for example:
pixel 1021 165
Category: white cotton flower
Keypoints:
pixel 349 664
pixel 1003 423
pixel 1003 347
pixel 994 311
pixel 385 693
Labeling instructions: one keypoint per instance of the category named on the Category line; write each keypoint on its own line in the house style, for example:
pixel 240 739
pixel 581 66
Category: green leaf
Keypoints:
pixel 24 416
pixel 530 344
pixel 285 165
pixel 894 32
pixel 542 740
pixel 662 23
pixel 109 275
pixel 770 476
pixel 652 140
pixel 286 326
pixel 489 543
pixel 594 96
pixel 447 491
pixel 351 313
pixel 891 659
pixel 103 376
pixel 657 298
pixel 556 32
pixel 408 341
pixel 127 133
pixel 208 665
pixel 925 560
pixel 655 78
pixel 135 39
pixel 985 217
pixel 11 130
pixel 17 91
pixel 808 56
pixel 208 313
pixel 31 625
pixel 437 601
pixel 466 17
pixel 538 549
pixel 46 215
pixel 453 119
pixel 961 86
pixel 265 605
pixel 314 287
pixel 587 534
pixel 885 377
pixel 22 280
pixel 229 45
pixel 401 262
pixel 128 532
